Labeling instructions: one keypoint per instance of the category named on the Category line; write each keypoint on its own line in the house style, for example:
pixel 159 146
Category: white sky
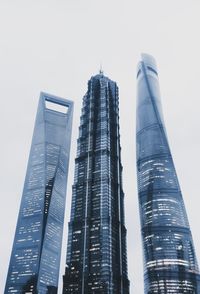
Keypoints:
pixel 55 46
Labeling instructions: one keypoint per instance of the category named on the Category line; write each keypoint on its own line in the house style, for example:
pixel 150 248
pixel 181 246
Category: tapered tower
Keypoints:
pixel 96 252
pixel 35 259
pixel 169 257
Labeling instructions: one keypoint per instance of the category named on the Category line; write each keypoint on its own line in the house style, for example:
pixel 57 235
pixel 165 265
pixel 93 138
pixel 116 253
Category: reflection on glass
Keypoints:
pixel 96 252
pixel 35 258
pixel 169 259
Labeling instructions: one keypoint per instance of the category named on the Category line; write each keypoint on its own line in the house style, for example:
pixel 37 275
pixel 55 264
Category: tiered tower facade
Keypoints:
pixel 96 252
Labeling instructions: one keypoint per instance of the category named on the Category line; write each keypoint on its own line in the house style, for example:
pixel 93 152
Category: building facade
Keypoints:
pixel 35 259
pixel 96 252
pixel 169 258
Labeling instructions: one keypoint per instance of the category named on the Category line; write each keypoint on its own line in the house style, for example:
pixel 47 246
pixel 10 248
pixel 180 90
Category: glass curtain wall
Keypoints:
pixel 96 252
pixel 35 259
pixel 170 263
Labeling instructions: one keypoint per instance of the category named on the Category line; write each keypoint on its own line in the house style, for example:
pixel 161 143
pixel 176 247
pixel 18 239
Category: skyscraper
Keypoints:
pixel 35 258
pixel 96 252
pixel 169 258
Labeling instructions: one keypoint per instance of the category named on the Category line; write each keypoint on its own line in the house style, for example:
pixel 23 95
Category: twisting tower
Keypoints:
pixel 169 258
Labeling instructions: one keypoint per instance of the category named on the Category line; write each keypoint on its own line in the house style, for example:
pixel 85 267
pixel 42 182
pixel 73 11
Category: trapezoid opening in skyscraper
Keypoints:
pixel 35 259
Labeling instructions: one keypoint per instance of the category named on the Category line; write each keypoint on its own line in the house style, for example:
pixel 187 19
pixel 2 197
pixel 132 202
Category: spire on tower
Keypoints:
pixel 101 70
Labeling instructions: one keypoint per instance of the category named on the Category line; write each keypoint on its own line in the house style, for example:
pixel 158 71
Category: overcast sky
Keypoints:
pixel 56 46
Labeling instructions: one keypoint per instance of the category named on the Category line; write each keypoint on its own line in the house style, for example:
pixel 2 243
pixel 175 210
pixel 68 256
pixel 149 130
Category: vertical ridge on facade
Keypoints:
pixel 96 252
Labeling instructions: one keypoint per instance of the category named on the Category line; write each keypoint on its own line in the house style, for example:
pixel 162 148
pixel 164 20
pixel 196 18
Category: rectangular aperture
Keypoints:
pixel 56 107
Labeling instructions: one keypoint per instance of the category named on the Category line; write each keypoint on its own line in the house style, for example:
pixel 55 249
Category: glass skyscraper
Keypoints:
pixel 35 259
pixel 96 252
pixel 169 258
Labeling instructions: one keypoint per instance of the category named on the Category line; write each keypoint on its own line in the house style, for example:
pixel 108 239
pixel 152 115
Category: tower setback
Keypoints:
pixel 96 252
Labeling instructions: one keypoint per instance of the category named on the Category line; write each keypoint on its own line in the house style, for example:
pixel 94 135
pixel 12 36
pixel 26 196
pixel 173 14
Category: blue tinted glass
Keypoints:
pixel 170 264
pixel 96 253
pixel 35 258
